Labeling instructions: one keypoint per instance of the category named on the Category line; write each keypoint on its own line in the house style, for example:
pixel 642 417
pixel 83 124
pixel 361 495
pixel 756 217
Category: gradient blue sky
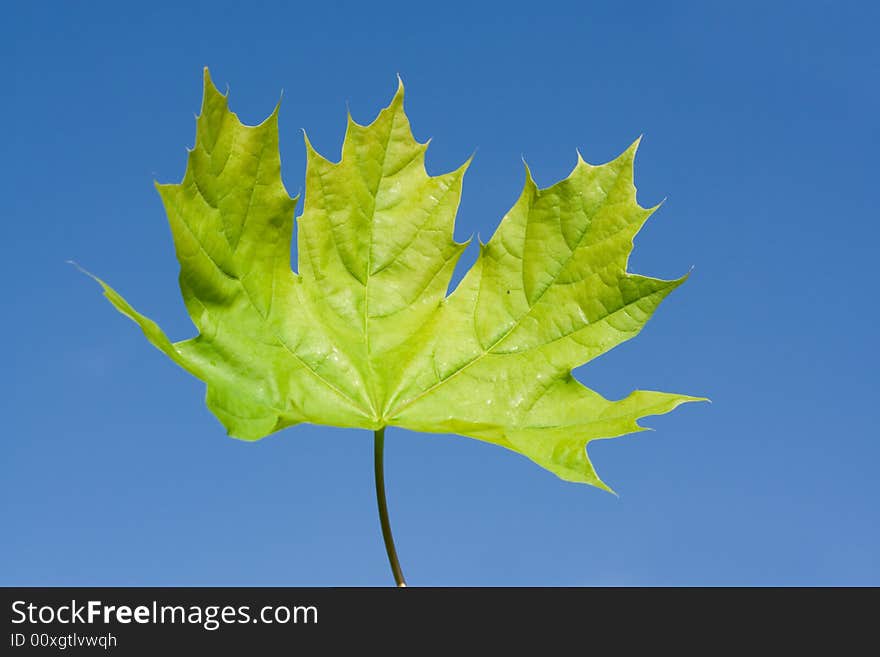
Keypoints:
pixel 760 124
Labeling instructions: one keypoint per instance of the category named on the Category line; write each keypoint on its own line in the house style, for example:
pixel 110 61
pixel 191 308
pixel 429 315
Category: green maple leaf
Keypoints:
pixel 364 335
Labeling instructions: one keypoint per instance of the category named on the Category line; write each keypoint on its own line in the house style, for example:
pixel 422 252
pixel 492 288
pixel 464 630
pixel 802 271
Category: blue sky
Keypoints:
pixel 760 130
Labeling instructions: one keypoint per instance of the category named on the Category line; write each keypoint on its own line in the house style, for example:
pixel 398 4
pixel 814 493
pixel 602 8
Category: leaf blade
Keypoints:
pixel 365 335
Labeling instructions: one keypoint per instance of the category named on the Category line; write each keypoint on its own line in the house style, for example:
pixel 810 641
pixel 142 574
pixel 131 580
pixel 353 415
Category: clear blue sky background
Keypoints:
pixel 760 124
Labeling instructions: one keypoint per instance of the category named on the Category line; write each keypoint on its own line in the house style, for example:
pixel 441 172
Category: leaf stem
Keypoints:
pixel 378 458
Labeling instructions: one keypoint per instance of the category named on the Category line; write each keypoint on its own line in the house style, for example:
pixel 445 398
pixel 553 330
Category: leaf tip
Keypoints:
pixel 312 155
pixel 603 486
pixel 629 155
pixel 209 85
pixel 278 104
pixel 657 206
pixel 530 181
pixel 85 271
pixel 308 142
pixel 635 145
pixel 397 100
pixel 681 279
pixel 593 479
pixel 466 164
